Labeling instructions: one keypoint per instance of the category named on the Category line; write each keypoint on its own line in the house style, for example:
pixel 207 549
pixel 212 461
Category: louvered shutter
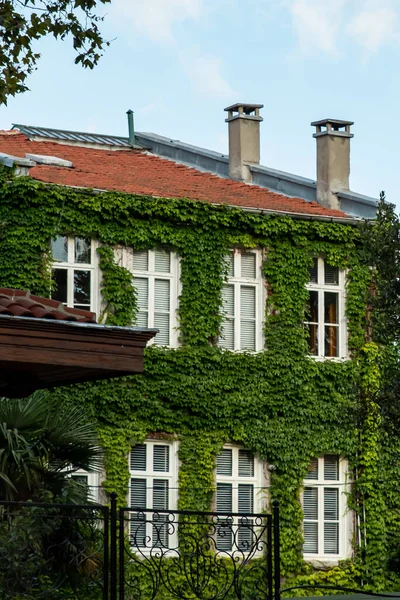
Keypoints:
pixel 161 458
pixel 331 524
pixel 140 261
pixel 246 463
pixel 313 271
pixel 229 263
pixel 227 339
pixel 247 318
pixel 142 289
pixel 331 275
pixel 138 457
pixel 331 468
pixel 162 261
pixel 224 537
pixel 160 521
pixel 248 265
pixel 245 505
pixel 224 462
pixel 161 310
pixel 310 508
pixel 137 529
pixel 312 472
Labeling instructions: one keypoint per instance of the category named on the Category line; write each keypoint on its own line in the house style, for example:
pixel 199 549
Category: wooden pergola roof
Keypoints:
pixel 61 346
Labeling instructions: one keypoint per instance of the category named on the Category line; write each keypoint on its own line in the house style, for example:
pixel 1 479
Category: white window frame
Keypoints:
pixel 70 266
pixel 259 482
pixel 256 282
pixel 125 257
pixel 92 482
pixel 345 515
pixel 150 475
pixel 321 287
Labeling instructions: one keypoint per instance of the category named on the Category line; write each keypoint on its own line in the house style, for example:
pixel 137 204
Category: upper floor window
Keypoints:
pixel 326 523
pixel 240 490
pixel 325 313
pixel 242 302
pixel 153 485
pixel 74 272
pixel 156 282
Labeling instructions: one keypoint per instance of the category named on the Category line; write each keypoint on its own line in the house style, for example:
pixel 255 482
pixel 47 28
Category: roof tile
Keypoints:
pixel 138 172
pixel 21 303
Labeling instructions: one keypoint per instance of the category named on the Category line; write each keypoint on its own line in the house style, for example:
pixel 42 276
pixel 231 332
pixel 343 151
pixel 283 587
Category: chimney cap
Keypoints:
pixel 334 122
pixel 241 110
pixel 336 127
pixel 247 108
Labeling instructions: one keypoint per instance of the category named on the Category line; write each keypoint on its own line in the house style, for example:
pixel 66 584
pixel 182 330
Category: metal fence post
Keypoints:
pixel 113 547
pixel 121 554
pixel 277 553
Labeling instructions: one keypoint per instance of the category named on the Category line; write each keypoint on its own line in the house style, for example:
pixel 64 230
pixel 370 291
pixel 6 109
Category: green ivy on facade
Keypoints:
pixel 280 403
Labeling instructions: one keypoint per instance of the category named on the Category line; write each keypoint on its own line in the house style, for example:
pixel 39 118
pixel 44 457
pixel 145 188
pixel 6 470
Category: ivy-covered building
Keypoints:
pixel 260 382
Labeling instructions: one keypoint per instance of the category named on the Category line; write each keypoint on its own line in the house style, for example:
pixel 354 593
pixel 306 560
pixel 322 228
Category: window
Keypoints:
pixel 90 480
pixel 240 486
pixel 242 302
pixel 325 318
pixel 326 524
pixel 153 485
pixel 156 282
pixel 74 272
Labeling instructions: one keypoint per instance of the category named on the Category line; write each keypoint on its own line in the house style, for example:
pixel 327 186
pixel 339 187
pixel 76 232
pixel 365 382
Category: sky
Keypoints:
pixel 178 63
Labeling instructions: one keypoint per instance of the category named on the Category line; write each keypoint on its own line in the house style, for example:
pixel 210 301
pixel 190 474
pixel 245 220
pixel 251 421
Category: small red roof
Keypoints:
pixel 142 173
pixel 20 303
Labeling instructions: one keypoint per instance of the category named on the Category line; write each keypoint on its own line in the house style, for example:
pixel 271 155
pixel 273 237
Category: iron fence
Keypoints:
pixel 54 551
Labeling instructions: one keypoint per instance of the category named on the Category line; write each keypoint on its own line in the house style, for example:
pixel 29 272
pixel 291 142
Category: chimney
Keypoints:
pixel 244 139
pixel 333 159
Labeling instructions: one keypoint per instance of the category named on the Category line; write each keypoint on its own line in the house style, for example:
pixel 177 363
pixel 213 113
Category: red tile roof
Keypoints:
pixel 19 303
pixel 138 172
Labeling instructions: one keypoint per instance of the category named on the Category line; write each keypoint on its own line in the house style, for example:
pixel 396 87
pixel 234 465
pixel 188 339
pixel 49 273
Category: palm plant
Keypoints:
pixel 42 442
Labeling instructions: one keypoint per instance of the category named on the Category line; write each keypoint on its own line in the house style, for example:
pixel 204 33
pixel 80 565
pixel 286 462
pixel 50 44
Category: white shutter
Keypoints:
pixel 245 498
pixel 224 462
pixel 224 527
pixel 142 288
pixel 310 531
pixel 331 538
pixel 313 271
pixel 310 503
pixel 246 463
pixel 138 457
pixel 141 261
pixel 138 493
pixel 310 508
pixel 161 458
pixel 331 467
pixel 162 261
pixel 228 300
pixel 224 498
pixel 312 472
pixel 160 494
pixel 331 275
pixel 161 311
pixel 331 504
pixel 248 265
pixel 229 262
pixel 247 320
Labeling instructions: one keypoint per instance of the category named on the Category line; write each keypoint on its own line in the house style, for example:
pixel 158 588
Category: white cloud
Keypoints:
pixel 374 26
pixel 157 18
pixel 205 74
pixel 321 25
pixel 317 23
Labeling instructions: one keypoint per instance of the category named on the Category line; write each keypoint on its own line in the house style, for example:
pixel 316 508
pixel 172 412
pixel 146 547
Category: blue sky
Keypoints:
pixel 178 63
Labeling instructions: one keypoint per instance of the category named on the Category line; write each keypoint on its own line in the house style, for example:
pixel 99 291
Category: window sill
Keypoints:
pixel 324 563
pixel 329 358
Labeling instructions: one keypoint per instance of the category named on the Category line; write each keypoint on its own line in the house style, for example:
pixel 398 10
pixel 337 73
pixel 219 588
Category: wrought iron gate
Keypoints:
pixel 61 551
